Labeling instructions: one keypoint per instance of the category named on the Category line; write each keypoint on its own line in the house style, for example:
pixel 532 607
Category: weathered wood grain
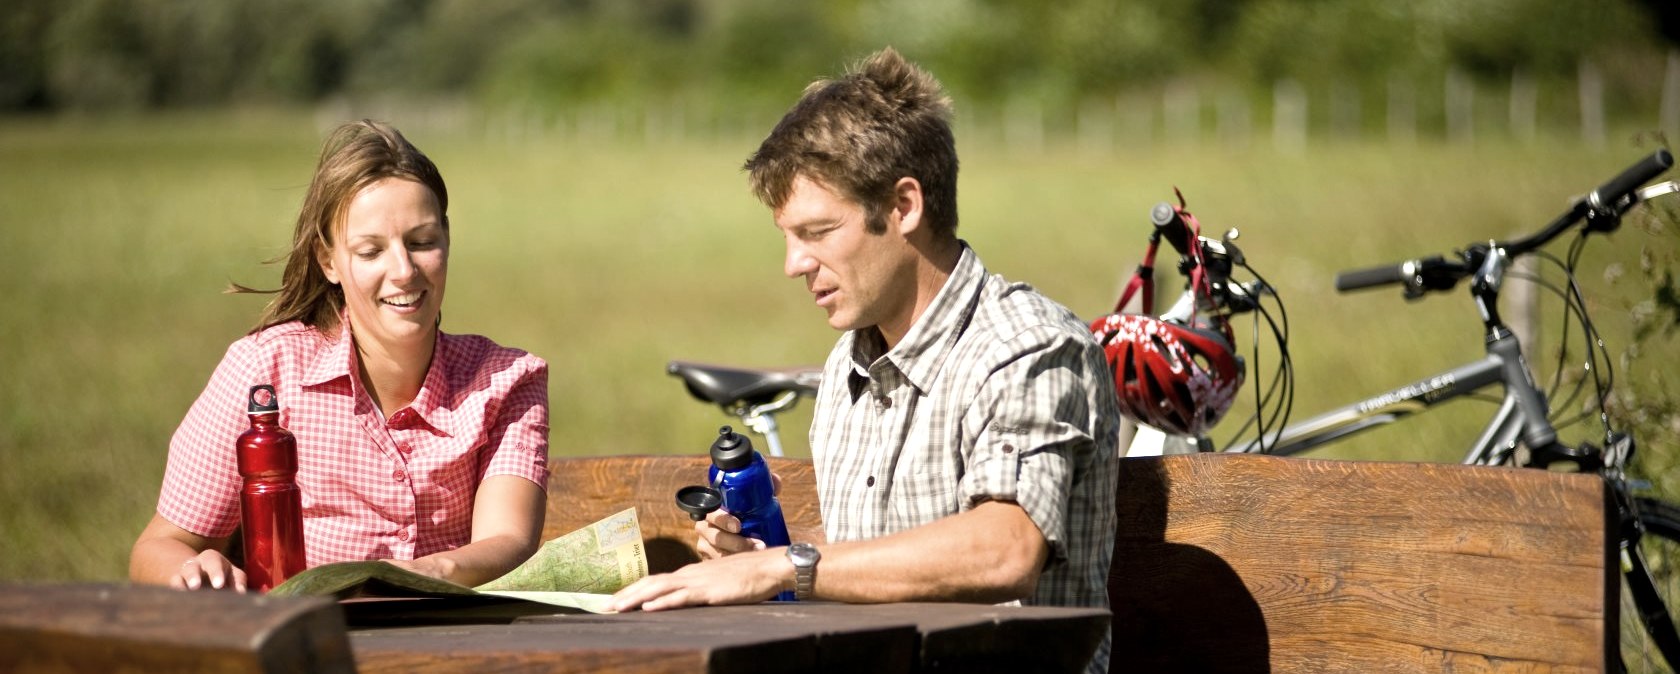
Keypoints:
pixel 585 489
pixel 1255 563
pixel 107 628
pixel 770 637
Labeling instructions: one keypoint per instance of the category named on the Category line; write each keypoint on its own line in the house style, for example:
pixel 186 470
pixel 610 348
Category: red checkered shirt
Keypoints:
pixel 372 488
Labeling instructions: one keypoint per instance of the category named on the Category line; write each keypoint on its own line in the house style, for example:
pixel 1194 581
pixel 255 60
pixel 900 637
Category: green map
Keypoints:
pixel 578 570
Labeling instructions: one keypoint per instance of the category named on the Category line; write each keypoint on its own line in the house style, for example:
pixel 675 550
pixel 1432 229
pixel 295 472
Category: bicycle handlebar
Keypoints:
pixel 1171 226
pixel 1355 279
pixel 1620 186
pixel 1436 273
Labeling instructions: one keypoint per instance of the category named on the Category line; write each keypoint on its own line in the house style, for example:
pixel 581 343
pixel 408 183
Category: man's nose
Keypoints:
pixel 798 261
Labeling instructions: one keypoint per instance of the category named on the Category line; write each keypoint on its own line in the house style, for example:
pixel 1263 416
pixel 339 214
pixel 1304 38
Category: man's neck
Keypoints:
pixel 933 268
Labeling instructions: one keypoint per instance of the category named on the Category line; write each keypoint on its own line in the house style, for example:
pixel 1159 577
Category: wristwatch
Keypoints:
pixel 804 557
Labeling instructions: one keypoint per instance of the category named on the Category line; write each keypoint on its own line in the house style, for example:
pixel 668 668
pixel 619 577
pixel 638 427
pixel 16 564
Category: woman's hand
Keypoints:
pixel 166 554
pixel 208 569
pixel 435 566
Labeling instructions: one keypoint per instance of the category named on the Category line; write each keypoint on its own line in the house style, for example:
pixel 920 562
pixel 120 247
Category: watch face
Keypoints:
pixel 803 554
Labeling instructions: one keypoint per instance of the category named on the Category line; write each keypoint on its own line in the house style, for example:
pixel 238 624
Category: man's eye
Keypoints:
pixel 424 244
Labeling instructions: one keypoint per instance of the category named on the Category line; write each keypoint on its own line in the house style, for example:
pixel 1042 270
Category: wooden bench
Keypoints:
pixel 585 489
pixel 104 628
pixel 1244 563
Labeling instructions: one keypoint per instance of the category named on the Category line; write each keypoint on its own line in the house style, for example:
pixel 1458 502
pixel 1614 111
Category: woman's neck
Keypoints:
pixel 393 376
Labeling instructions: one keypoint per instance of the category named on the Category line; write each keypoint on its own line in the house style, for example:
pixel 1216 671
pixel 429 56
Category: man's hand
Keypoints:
pixel 745 578
pixel 719 534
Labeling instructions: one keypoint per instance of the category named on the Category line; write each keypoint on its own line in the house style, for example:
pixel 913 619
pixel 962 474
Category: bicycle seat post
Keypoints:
pixel 765 425
pixel 762 418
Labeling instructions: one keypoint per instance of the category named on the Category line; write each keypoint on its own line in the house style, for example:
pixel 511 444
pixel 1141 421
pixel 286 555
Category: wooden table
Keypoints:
pixel 772 637
pixel 121 628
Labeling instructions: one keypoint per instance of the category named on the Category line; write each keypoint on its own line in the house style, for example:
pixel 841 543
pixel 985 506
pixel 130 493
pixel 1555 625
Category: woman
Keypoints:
pixel 426 449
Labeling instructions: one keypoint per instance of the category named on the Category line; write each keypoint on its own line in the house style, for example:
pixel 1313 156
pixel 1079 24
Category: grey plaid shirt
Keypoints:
pixel 996 393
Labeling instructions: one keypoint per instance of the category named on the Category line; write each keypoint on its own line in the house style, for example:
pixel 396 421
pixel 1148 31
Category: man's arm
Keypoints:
pixel 989 554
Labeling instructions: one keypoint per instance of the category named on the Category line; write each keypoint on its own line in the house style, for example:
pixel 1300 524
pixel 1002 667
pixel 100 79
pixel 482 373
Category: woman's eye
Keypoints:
pixel 368 254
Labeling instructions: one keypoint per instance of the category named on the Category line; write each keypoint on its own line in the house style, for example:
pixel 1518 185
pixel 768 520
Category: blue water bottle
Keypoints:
pixel 743 478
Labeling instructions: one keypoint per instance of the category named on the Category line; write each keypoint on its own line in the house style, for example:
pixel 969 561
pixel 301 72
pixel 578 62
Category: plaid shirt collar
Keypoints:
pixel 339 360
pixel 922 352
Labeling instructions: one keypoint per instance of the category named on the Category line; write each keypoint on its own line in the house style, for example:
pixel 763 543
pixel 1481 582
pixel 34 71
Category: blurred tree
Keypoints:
pixel 23 57
pixel 127 54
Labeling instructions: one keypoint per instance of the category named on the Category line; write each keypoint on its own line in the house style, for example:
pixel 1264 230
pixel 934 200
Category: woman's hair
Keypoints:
pixel 355 155
pixel 885 119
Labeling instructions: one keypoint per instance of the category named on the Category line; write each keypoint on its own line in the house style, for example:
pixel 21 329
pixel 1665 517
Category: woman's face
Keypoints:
pixel 392 260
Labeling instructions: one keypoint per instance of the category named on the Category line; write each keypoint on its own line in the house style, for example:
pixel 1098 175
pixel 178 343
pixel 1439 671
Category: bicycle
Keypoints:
pixel 1520 432
pixel 754 395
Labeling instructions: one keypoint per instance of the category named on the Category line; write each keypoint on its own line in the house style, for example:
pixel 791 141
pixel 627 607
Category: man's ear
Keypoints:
pixel 906 215
pixel 323 257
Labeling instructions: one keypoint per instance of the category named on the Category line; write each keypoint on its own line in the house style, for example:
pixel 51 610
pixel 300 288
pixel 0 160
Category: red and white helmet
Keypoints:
pixel 1175 377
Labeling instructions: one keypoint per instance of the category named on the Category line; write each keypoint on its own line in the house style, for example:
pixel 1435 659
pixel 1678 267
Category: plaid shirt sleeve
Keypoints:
pixel 1034 416
pixel 201 480
pixel 518 440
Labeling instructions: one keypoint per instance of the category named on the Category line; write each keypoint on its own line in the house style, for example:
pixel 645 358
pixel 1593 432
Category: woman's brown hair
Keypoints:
pixel 355 155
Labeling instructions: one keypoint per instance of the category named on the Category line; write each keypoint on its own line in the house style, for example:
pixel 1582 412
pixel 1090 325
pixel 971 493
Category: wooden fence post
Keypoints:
pixel 1669 117
pixel 1591 93
pixel 1289 116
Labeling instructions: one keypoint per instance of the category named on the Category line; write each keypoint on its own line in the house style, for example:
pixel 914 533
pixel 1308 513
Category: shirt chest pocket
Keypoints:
pixel 922 496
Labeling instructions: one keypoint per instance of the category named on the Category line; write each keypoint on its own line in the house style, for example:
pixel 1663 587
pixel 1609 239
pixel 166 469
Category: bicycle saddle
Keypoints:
pixel 735 386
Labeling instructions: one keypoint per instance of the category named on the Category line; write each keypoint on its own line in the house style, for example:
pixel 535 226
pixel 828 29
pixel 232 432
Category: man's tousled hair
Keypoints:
pixel 858 134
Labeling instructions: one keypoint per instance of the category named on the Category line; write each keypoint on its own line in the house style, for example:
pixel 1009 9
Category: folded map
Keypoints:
pixel 578 570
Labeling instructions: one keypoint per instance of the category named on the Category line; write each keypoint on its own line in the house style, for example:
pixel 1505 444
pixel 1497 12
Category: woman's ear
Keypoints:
pixel 323 257
pixel 906 214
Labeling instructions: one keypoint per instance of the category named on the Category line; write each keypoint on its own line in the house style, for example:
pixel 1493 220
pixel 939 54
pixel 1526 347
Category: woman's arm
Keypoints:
pixel 166 554
pixel 507 528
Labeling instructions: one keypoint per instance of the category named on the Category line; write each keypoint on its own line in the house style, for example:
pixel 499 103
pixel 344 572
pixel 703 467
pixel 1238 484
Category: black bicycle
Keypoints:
pixel 1521 432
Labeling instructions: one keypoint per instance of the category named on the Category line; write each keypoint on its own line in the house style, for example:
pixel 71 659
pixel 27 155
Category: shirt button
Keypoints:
pixel 1008 448
pixel 402 534
pixel 884 402
pixel 399 475
pixel 869 482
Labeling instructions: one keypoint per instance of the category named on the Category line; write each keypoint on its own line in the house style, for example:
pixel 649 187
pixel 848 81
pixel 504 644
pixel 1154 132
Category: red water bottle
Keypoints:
pixel 271 506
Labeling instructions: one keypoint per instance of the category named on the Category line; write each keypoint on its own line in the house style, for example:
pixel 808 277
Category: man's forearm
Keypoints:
pixel 990 554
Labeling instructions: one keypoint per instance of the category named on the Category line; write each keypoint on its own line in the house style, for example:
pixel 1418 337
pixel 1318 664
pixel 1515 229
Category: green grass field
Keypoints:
pixel 608 259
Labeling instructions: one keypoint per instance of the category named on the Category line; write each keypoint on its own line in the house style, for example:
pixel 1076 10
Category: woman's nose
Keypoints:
pixel 402 263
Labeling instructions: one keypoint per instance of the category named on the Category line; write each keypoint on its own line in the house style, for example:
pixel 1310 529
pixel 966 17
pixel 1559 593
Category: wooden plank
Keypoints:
pixel 802 636
pixel 726 639
pixel 585 489
pixel 1256 563
pixel 77 628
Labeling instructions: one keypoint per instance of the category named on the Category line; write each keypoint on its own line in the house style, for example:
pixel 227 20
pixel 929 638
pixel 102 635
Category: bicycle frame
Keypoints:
pixel 1493 446
pixel 1521 415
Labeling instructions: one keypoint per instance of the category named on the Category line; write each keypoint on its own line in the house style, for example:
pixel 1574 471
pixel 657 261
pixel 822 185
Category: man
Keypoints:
pixel 964 434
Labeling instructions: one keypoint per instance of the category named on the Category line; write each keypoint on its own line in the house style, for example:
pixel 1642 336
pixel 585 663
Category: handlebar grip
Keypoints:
pixel 1648 168
pixel 1171 226
pixel 1355 279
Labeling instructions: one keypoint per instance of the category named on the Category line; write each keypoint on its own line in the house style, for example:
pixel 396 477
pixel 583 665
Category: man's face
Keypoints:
pixel 862 280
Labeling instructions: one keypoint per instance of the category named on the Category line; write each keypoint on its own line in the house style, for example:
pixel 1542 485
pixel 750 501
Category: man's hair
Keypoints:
pixel 885 119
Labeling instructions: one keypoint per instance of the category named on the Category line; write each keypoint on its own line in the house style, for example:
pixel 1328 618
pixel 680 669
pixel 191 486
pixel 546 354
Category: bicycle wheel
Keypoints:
pixel 1658 558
